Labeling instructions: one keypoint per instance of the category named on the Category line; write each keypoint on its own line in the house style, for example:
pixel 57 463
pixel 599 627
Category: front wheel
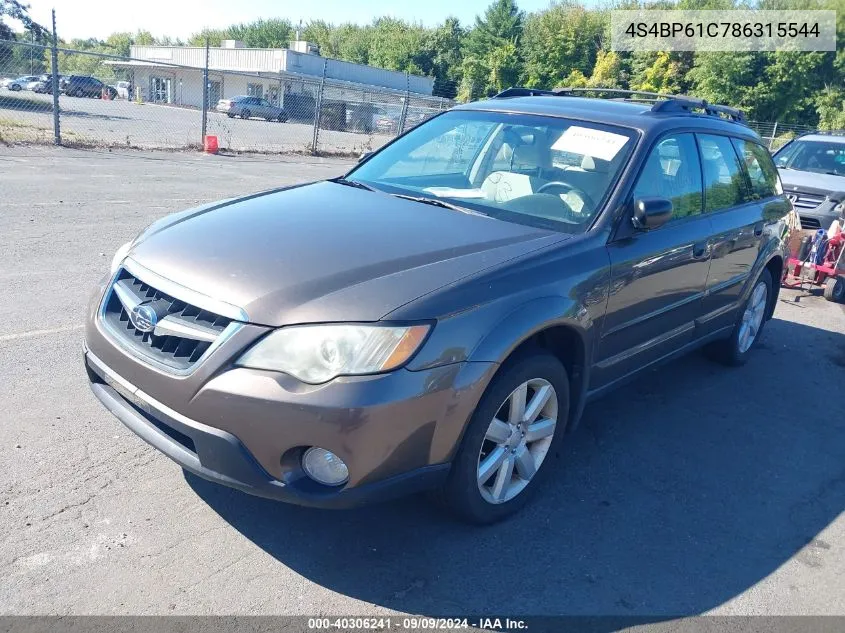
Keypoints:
pixel 734 351
pixel 246 114
pixel 518 423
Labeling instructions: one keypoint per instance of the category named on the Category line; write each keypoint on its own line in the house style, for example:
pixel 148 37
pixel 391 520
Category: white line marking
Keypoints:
pixel 32 333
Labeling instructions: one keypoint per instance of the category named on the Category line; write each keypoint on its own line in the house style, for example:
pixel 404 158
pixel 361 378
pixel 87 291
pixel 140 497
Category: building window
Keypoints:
pixel 255 90
pixel 161 89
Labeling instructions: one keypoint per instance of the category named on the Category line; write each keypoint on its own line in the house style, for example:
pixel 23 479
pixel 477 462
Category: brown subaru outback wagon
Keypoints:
pixel 438 318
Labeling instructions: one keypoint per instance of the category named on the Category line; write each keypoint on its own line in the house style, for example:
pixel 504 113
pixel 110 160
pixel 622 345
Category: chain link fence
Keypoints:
pixel 776 134
pixel 111 101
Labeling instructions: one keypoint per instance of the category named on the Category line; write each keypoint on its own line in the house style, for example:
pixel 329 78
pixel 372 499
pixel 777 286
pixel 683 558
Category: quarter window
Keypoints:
pixel 723 177
pixel 672 171
pixel 758 165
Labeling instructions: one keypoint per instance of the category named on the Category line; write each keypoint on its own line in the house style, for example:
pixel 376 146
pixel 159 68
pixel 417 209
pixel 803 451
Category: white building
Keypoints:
pixel 173 74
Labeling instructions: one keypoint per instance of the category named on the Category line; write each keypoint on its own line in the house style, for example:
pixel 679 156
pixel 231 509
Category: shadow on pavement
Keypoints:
pixel 678 492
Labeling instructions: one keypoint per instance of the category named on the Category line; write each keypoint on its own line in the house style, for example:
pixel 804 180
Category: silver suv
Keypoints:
pixel 812 169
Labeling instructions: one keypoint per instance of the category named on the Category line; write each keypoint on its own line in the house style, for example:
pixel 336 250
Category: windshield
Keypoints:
pixel 823 157
pixel 537 170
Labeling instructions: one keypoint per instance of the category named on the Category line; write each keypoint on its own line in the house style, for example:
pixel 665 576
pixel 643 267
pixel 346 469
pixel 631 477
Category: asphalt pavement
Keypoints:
pixel 695 489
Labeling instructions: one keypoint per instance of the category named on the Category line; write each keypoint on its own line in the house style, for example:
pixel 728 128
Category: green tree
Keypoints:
pixel 608 71
pixel 503 62
pixel 501 24
pixel 830 107
pixel 15 10
pixel 663 75
pixel 445 43
pixel 474 76
pixel 563 38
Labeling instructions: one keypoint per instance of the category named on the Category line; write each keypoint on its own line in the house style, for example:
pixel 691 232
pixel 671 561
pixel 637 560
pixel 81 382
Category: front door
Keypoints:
pixel 658 276
pixel 161 89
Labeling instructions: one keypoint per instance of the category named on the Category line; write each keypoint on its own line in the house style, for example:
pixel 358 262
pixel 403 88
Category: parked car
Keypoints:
pixel 83 86
pixel 247 107
pixel 439 317
pixel 812 168
pixel 20 83
pixel 42 85
pixel 123 89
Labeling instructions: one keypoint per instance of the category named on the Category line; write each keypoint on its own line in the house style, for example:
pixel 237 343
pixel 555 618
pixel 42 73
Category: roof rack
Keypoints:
pixel 661 102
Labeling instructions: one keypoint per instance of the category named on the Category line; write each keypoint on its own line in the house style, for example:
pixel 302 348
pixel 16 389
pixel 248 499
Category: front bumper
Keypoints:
pixel 246 428
pixel 220 457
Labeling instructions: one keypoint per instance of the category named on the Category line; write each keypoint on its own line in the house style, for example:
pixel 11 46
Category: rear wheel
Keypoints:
pixel 518 423
pixel 281 118
pixel 246 114
pixel 734 351
pixel 230 115
pixel 834 289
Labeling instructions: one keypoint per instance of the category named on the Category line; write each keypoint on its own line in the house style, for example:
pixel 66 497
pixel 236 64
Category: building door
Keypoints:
pixel 274 95
pixel 214 93
pixel 161 89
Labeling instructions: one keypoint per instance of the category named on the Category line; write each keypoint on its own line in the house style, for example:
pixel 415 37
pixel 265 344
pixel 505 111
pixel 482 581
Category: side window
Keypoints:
pixel 724 184
pixel 762 173
pixel 672 171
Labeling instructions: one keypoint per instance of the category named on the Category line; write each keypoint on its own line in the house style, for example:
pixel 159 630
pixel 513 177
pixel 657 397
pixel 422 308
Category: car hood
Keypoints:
pixel 327 252
pixel 810 182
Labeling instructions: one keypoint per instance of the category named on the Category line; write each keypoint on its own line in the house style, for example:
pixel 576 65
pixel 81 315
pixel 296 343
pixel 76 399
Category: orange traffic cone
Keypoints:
pixel 210 144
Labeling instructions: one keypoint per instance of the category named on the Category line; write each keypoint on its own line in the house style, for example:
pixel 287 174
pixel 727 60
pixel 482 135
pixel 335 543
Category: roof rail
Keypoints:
pixel 661 102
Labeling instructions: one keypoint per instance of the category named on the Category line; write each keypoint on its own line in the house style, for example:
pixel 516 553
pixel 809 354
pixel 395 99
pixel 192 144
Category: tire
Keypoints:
pixel 15 88
pixel 79 93
pixel 735 350
pixel 230 115
pixel 834 289
pixel 281 118
pixel 473 498
pixel 246 114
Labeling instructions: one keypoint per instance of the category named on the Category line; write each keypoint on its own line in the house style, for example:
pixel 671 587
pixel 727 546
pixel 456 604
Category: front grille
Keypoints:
pixel 810 223
pixel 198 328
pixel 806 200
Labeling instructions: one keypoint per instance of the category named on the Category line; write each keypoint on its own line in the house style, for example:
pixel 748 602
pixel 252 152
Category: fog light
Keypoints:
pixel 324 466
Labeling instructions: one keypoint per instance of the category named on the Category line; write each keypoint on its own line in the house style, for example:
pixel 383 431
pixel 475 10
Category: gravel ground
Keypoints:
pixel 695 489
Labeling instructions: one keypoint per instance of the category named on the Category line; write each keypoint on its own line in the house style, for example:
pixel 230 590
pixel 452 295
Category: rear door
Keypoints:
pixel 658 276
pixel 739 190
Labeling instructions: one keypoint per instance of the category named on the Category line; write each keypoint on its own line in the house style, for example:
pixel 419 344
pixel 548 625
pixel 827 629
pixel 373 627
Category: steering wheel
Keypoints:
pixel 586 200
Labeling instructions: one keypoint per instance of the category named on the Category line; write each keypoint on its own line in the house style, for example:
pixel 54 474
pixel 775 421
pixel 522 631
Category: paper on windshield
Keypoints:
pixel 449 192
pixel 589 142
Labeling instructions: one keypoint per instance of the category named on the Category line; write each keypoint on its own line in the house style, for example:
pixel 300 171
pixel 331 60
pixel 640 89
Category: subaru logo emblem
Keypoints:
pixel 144 318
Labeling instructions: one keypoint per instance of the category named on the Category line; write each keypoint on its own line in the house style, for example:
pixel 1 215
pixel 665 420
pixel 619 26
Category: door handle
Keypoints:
pixel 700 250
pixel 758 229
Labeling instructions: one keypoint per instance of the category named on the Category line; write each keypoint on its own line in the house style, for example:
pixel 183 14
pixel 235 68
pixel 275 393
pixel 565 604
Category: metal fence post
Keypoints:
pixel 205 94
pixel 54 63
pixel 404 114
pixel 774 134
pixel 318 105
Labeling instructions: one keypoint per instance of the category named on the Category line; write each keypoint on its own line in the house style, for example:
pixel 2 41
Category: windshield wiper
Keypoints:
pixel 352 183
pixel 437 202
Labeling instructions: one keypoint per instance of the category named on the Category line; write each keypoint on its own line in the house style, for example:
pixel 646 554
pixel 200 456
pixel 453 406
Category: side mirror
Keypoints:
pixel 651 213
pixel 364 156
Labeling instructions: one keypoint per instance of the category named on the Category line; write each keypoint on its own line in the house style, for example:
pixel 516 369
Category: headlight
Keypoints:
pixel 318 353
pixel 119 256
pixel 840 208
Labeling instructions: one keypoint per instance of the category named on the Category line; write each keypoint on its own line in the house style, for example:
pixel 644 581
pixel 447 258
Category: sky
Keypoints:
pixel 181 18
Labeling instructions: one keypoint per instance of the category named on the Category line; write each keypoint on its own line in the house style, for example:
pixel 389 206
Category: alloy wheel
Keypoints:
pixel 517 441
pixel 752 318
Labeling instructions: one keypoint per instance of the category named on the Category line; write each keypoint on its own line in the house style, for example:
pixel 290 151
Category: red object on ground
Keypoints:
pixel 210 145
